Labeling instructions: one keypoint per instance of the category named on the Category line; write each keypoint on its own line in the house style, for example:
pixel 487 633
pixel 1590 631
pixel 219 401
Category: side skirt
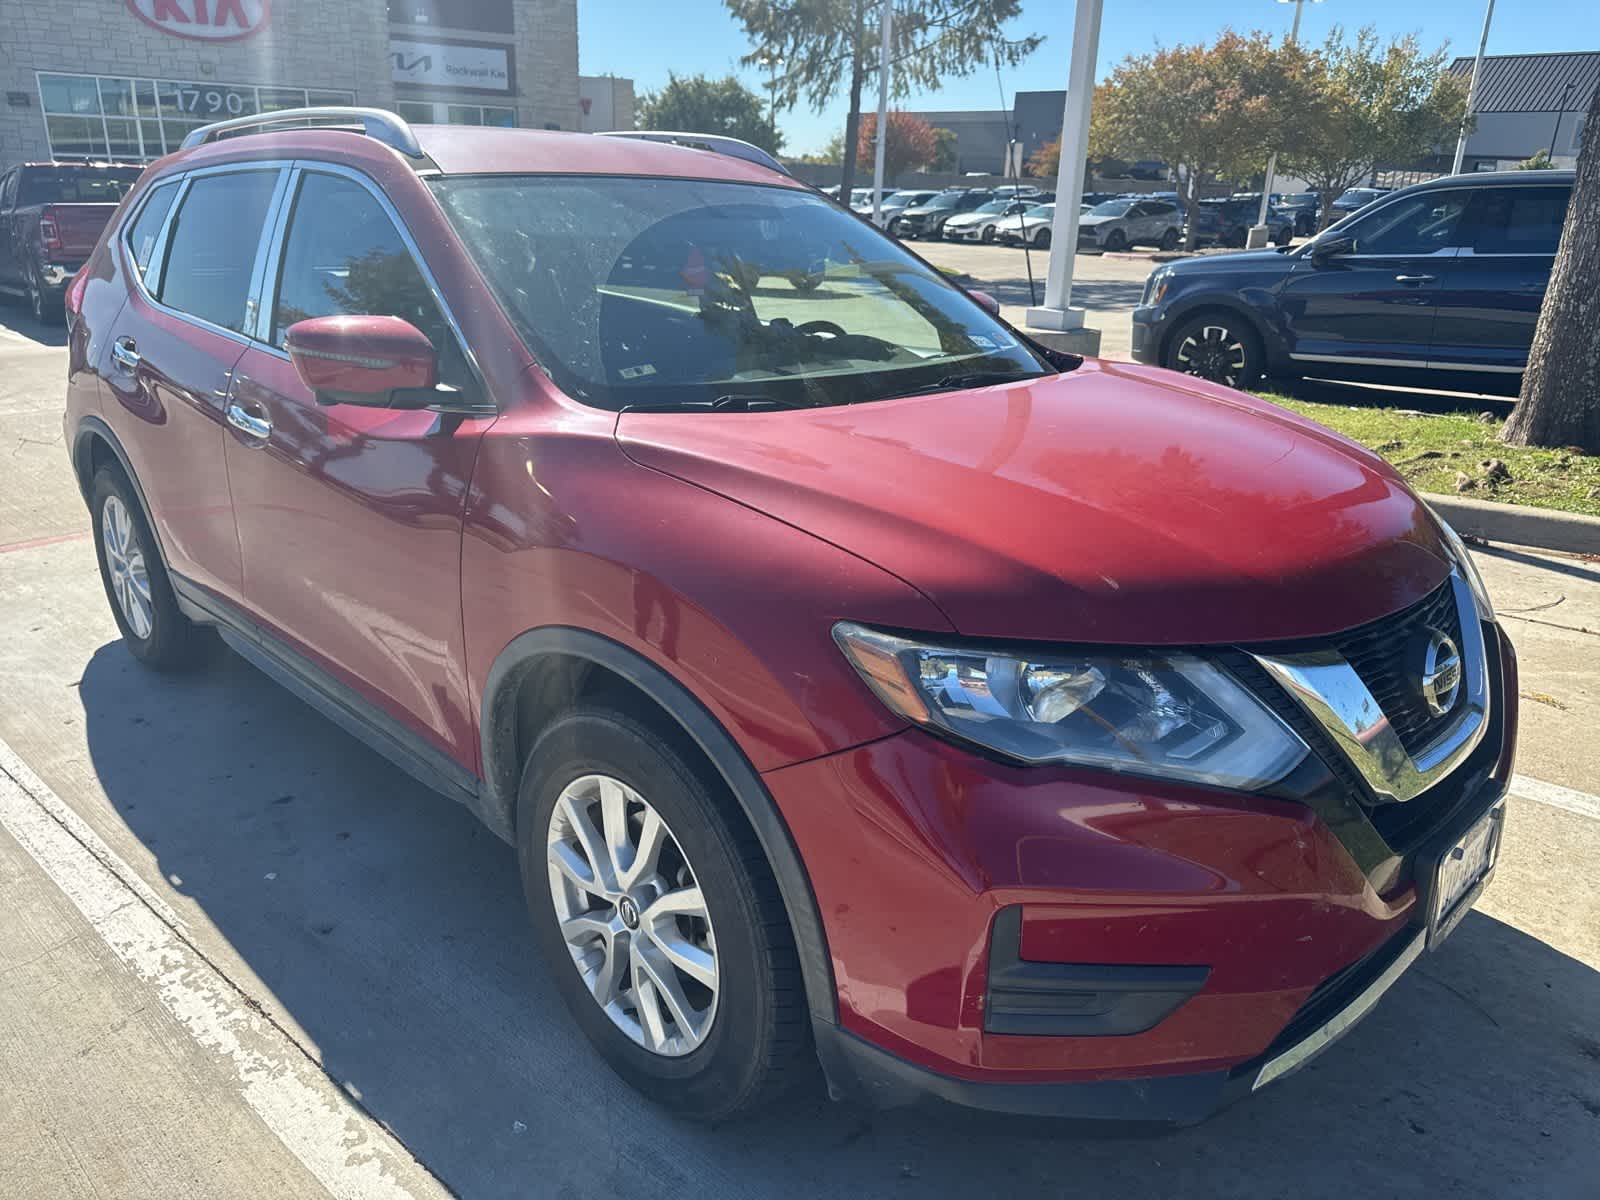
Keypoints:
pixel 341 704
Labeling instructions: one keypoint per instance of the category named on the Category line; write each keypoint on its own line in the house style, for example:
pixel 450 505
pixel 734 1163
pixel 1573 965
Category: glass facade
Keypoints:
pixel 97 116
pixel 429 112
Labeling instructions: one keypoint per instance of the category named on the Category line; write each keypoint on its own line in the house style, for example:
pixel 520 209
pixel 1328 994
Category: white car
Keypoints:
pixel 979 224
pixel 1032 226
pixel 896 204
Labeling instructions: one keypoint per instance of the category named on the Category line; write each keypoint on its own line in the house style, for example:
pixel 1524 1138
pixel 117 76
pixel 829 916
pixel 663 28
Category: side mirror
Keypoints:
pixel 987 302
pixel 380 362
pixel 1326 247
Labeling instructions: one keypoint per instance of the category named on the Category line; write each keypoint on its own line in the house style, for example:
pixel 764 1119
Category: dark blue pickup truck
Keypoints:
pixel 1437 285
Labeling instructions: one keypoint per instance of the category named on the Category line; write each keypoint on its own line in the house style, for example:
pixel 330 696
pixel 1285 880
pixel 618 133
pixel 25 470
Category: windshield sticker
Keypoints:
pixel 636 372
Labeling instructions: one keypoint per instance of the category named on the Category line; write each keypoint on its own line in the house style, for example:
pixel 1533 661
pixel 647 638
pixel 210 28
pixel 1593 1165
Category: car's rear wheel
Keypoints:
pixel 1284 236
pixel 155 630
pixel 40 299
pixel 1169 240
pixel 659 918
pixel 1116 240
pixel 1217 346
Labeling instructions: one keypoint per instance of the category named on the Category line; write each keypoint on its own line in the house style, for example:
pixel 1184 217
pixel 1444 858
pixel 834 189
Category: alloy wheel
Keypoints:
pixel 632 915
pixel 1215 354
pixel 35 297
pixel 125 564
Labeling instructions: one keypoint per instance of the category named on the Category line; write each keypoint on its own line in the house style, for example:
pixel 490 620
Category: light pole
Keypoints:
pixel 1258 233
pixel 885 42
pixel 1561 111
pixel 1472 91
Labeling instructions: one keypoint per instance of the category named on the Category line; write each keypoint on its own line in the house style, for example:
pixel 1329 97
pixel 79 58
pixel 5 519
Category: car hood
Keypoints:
pixel 1252 261
pixel 1110 504
pixel 971 218
pixel 1090 222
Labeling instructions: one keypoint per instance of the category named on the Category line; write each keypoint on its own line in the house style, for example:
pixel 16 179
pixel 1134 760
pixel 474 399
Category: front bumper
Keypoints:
pixel 1149 328
pixel 1219 939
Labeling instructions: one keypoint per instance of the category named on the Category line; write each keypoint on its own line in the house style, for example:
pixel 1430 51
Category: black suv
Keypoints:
pixel 1438 285
pixel 927 220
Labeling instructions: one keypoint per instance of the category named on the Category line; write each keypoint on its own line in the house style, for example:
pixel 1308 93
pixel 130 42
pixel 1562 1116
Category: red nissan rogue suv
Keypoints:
pixel 856 679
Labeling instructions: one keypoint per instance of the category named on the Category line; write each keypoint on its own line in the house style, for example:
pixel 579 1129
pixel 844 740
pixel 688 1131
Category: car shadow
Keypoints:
pixel 387 928
pixel 16 320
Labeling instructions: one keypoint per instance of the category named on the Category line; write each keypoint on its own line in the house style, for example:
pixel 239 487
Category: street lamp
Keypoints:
pixel 1258 234
pixel 1472 91
pixel 1561 111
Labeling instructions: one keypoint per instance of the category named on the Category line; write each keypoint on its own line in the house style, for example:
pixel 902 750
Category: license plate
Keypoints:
pixel 1462 872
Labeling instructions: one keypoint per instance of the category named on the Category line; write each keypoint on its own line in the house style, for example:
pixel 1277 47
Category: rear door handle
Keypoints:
pixel 248 423
pixel 125 354
pixel 1414 278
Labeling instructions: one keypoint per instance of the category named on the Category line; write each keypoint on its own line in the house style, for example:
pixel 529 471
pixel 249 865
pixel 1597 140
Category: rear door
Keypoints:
pixel 349 517
pixel 173 349
pixel 1492 291
pixel 1375 305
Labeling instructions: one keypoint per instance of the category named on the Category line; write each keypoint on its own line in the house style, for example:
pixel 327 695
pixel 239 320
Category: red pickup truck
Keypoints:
pixel 51 215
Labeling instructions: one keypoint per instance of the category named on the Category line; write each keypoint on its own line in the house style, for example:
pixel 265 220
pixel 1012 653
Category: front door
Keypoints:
pixel 173 350
pixel 349 517
pixel 1374 304
pixel 1491 294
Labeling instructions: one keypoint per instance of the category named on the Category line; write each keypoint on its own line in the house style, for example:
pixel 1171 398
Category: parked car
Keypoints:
pixel 1020 191
pixel 1438 285
pixel 979 224
pixel 1356 199
pixel 898 203
pixel 1228 222
pixel 927 220
pixel 1117 224
pixel 1149 168
pixel 50 216
pixel 1112 775
pixel 1305 208
pixel 1031 226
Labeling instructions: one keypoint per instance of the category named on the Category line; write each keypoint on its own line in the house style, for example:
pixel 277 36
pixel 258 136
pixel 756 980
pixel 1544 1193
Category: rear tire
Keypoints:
pixel 136 583
pixel 1218 346
pixel 746 1034
pixel 1169 240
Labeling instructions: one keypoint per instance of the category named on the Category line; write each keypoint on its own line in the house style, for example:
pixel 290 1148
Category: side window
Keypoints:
pixel 1516 220
pixel 1419 224
pixel 212 250
pixel 8 189
pixel 343 256
pixel 146 227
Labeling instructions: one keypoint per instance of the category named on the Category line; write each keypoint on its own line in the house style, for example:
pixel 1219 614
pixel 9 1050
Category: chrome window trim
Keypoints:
pixel 157 251
pixel 158 256
pixel 1328 689
pixel 280 234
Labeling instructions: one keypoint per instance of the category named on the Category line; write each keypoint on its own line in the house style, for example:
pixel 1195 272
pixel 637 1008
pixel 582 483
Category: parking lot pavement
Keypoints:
pixel 380 934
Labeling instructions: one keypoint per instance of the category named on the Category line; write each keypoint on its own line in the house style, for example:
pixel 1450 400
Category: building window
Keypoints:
pixel 90 116
pixel 428 112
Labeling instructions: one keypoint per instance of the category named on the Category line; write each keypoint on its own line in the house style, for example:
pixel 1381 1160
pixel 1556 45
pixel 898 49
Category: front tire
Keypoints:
pixel 140 593
pixel 988 234
pixel 1041 240
pixel 1217 346
pixel 659 918
pixel 1116 240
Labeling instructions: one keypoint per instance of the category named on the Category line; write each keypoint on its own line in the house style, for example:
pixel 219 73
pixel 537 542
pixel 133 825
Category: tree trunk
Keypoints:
pixel 1325 213
pixel 852 122
pixel 1560 402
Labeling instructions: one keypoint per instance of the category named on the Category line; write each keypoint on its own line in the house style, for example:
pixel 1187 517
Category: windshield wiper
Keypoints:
pixel 733 402
pixel 970 379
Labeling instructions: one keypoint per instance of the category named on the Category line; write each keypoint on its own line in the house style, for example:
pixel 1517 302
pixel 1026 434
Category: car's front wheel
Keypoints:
pixel 1041 240
pixel 1116 240
pixel 988 233
pixel 136 583
pixel 659 917
pixel 1216 346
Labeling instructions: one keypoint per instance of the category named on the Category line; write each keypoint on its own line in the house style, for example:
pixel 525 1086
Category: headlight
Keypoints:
pixel 1155 288
pixel 1469 569
pixel 1174 716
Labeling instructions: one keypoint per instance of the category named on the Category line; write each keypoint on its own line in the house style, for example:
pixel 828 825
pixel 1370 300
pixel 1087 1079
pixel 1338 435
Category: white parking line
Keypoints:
pixel 348 1152
pixel 1556 796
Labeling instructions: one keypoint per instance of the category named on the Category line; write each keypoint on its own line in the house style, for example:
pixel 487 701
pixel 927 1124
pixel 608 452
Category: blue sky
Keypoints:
pixel 644 39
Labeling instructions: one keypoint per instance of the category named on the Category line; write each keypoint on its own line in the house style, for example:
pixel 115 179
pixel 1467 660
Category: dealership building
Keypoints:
pixel 127 79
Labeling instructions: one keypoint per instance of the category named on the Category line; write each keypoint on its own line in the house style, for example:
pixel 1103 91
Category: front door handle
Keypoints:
pixel 1414 278
pixel 248 423
pixel 125 354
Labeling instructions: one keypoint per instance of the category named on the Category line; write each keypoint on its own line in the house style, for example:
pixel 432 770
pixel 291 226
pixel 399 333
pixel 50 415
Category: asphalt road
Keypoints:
pixel 242 956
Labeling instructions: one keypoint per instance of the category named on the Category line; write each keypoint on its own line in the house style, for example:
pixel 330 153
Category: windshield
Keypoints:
pixel 994 206
pixel 907 199
pixel 644 293
pixel 943 201
pixel 75 185
pixel 1041 210
pixel 1111 208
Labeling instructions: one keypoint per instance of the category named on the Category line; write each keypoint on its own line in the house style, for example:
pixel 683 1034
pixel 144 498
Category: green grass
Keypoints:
pixel 1431 449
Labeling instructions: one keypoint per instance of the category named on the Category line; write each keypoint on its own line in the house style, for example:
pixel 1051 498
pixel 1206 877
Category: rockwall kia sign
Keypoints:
pixel 469 66
pixel 204 20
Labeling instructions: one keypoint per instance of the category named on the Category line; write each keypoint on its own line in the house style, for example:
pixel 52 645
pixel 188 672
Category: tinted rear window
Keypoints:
pixel 1517 220
pixel 75 185
pixel 212 250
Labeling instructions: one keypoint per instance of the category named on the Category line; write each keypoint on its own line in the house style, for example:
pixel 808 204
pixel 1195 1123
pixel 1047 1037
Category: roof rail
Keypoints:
pixel 715 142
pixel 376 123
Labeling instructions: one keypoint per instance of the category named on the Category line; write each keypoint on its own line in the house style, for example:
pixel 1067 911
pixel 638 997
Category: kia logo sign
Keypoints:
pixel 204 20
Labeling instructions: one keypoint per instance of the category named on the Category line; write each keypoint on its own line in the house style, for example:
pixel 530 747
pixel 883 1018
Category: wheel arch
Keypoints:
pixel 95 445
pixel 1218 304
pixel 543 671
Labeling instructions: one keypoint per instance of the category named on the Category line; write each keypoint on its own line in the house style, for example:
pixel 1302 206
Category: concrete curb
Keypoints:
pixel 1544 528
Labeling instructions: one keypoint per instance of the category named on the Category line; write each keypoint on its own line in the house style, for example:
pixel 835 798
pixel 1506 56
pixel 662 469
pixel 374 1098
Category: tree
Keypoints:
pixel 697 104
pixel 1216 112
pixel 911 143
pixel 1560 402
pixel 1538 161
pixel 1370 104
pixel 944 149
pixel 829 45
pixel 1045 162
